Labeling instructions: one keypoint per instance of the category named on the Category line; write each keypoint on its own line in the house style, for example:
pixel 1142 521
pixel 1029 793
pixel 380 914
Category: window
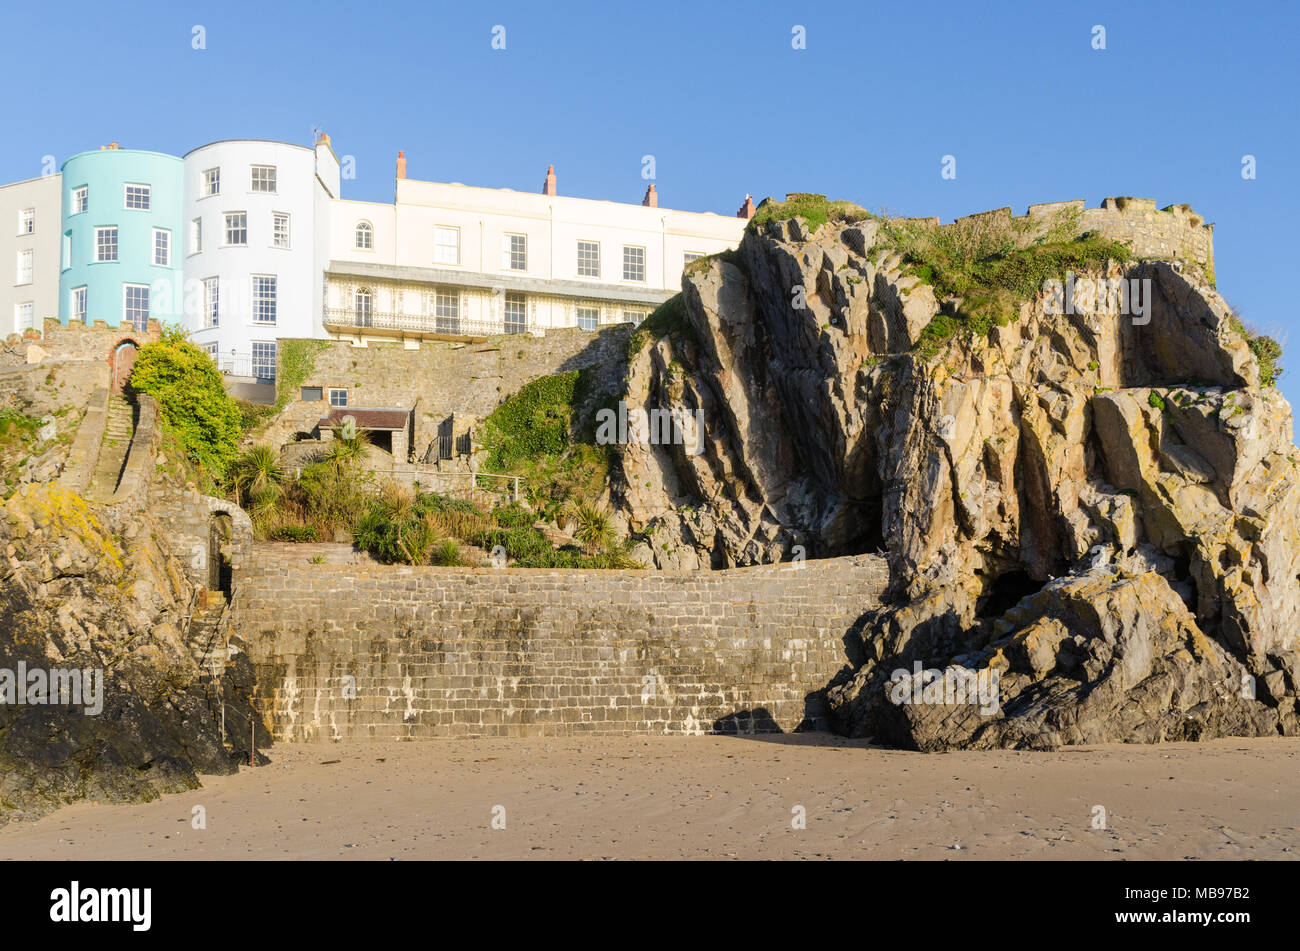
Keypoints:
pixel 264 359
pixel 633 316
pixel 27 221
pixel 106 243
pixel 211 182
pixel 362 307
pixel 137 197
pixel 690 256
pixel 365 236
pixel 280 229
pixel 79 303
pixel 446 310
pixel 338 397
pixel 135 306
pixel 516 315
pixel 211 302
pixel 196 235
pixel 588 259
pixel 633 263
pixel 310 394
pixel 80 199
pixel 516 252
pixel 446 245
pixel 236 228
pixel 25 266
pixel 588 317
pixel 263 299
pixel 211 350
pixel 264 178
pixel 67 250
pixel 24 315
pixel 162 247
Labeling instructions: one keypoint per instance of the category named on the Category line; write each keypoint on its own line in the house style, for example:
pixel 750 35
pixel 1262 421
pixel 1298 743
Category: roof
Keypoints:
pixel 367 418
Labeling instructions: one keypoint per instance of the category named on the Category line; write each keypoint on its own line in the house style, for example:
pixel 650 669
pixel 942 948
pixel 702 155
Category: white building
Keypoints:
pixel 30 250
pixel 255 218
pixel 455 260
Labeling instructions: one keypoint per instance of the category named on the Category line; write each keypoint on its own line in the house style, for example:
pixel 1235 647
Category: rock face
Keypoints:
pixel 81 590
pixel 1103 510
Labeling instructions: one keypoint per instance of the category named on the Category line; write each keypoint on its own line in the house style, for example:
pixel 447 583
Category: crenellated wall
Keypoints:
pixel 384 652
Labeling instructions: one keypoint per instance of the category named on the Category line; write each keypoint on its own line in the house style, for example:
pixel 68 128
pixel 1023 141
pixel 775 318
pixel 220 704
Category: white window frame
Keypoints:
pixel 25 272
pixel 196 235
pixel 587 264
pixel 441 247
pixel 146 191
pixel 22 322
pixel 65 251
pixel 80 199
pixel 509 254
pixel 514 299
pixel 363 307
pixel 253 361
pixel 79 303
pixel 254 184
pixel 211 182
pixel 259 301
pixel 226 231
pixel 26 222
pixel 148 302
pixel 335 399
pixel 689 256
pixel 211 302
pixel 633 263
pixel 276 232
pixel 592 309
pixel 446 310
pixel 99 245
pixel 166 247
pixel 367 229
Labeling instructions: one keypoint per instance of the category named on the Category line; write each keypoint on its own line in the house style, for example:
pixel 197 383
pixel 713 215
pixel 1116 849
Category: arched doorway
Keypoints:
pixel 122 360
pixel 221 530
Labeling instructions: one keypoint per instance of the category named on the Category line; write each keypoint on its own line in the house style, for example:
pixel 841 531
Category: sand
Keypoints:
pixel 706 797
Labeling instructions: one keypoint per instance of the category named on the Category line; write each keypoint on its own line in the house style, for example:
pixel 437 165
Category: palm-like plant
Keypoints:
pixel 257 476
pixel 592 527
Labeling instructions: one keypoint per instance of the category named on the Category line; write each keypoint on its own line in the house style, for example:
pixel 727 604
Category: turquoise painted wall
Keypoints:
pixel 106 173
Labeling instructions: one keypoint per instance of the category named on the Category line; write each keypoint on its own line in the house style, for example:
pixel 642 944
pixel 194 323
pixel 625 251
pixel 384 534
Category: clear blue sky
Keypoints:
pixel 716 93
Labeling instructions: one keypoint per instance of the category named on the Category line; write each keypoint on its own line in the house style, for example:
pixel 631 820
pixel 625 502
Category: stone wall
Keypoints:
pixel 185 518
pixel 74 341
pixel 526 652
pixel 441 378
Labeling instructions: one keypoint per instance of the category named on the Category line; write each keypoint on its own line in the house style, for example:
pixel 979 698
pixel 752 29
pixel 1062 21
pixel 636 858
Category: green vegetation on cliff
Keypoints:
pixel 1267 351
pixel 192 400
pixel 814 209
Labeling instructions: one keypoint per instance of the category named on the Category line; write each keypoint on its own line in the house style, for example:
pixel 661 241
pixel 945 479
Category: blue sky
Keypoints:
pixel 716 93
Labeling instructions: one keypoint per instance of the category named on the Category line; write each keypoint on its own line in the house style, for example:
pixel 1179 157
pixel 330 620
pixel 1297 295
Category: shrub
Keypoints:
pixel 192 400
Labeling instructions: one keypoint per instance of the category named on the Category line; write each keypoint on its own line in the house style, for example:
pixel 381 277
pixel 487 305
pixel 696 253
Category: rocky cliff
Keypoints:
pixel 1099 506
pixel 101 695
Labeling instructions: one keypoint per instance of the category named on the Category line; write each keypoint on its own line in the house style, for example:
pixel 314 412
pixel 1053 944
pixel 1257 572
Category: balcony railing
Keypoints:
pixel 242 364
pixel 347 319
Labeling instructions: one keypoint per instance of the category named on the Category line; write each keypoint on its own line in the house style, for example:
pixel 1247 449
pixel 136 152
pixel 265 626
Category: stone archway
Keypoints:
pixel 221 565
pixel 122 361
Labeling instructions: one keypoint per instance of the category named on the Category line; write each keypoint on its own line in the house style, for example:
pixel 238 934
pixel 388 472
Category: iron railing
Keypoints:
pixel 347 319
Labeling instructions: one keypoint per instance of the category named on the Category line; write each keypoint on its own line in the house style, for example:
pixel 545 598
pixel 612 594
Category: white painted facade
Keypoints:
pixel 446 259
pixel 30 253
pixel 253 250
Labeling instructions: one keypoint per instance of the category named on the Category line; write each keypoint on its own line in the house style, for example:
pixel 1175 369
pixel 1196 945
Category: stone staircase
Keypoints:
pixel 204 636
pixel 119 427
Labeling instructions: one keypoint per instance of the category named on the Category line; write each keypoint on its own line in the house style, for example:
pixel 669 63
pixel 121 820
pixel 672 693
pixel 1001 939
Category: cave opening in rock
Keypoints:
pixel 1004 592
pixel 1181 578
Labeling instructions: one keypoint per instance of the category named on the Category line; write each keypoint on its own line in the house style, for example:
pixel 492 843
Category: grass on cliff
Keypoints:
pixel 1267 351
pixel 812 208
pixel 537 434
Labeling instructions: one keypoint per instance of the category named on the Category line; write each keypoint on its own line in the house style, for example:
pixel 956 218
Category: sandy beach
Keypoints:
pixel 706 797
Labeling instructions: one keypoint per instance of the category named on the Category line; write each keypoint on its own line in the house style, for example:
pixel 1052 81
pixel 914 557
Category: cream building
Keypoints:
pixel 30 251
pixel 452 260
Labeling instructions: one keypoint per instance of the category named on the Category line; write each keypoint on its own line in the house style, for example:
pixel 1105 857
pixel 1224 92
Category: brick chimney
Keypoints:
pixel 747 209
pixel 323 139
pixel 548 187
pixel 651 199
pixel 401 164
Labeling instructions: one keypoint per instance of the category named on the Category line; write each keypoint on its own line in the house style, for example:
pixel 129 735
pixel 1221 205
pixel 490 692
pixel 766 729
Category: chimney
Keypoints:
pixel 323 139
pixel 548 187
pixel 747 209
pixel 651 199
pixel 401 164
pixel 109 147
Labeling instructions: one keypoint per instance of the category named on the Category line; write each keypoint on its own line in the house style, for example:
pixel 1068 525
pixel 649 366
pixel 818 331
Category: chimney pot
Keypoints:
pixel 401 164
pixel 651 199
pixel 548 187
pixel 747 209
